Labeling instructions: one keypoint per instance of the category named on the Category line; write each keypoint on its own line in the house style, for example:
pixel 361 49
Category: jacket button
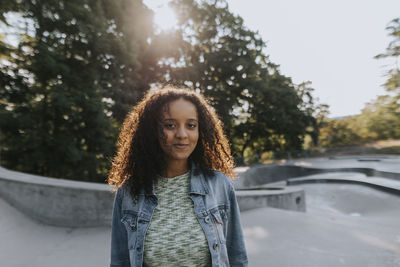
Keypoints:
pixel 215 246
pixel 133 225
pixel 207 219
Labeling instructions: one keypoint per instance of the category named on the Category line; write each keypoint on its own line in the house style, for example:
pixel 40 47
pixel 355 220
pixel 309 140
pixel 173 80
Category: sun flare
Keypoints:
pixel 164 17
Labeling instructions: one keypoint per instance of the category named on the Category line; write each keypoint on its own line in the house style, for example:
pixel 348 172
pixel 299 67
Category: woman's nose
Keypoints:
pixel 181 132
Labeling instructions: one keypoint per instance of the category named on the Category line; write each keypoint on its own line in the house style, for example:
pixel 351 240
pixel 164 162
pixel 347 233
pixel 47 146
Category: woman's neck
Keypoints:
pixel 176 168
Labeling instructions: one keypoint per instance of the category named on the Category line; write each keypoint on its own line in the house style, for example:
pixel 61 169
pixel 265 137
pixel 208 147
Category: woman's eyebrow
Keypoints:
pixel 172 119
pixel 168 119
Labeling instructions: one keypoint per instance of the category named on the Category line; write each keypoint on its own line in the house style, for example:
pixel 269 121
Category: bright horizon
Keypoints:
pixel 330 43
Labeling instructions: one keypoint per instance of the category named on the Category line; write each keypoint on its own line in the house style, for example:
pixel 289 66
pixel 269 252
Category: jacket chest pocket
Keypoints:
pixel 219 219
pixel 130 222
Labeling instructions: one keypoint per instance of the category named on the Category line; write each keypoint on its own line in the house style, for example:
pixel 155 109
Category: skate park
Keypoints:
pixel 326 211
pixel 309 105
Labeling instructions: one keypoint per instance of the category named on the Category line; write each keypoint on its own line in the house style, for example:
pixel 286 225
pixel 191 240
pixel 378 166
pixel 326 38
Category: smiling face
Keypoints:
pixel 180 127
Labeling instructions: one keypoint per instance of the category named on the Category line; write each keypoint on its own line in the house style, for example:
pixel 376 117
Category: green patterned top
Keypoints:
pixel 175 237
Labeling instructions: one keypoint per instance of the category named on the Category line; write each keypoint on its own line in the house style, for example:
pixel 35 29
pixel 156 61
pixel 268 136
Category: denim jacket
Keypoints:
pixel 215 207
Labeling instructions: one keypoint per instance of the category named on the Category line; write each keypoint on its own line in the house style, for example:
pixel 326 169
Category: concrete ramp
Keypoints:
pixel 345 225
pixel 25 242
pixel 354 201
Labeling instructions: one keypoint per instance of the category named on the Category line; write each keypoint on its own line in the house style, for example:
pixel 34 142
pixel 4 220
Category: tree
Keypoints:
pixel 339 133
pixel 380 119
pixel 68 83
pixel 393 51
pixel 224 60
pixel 316 113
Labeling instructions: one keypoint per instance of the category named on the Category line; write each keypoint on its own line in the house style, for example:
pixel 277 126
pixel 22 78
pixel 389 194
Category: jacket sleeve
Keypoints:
pixel 235 240
pixel 119 241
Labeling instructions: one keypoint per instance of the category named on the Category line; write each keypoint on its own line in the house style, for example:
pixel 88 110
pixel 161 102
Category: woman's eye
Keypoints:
pixel 191 125
pixel 169 125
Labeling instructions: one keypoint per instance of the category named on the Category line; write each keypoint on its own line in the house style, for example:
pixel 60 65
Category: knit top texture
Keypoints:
pixel 175 237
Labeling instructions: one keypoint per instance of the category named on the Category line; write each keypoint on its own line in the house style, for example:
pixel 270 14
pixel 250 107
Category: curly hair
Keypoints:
pixel 139 159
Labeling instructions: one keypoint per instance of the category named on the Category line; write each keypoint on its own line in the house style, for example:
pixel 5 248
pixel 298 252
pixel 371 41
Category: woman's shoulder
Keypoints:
pixel 220 179
pixel 221 175
pixel 123 191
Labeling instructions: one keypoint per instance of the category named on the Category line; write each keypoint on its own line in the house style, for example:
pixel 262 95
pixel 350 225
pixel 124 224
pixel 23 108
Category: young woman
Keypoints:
pixel 175 203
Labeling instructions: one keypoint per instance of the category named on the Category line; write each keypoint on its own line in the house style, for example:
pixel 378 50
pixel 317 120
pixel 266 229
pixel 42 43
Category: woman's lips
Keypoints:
pixel 181 146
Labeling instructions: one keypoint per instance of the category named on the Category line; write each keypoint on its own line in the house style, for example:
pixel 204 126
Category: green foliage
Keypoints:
pixel 80 65
pixel 393 51
pixel 262 110
pixel 339 133
pixel 380 119
pixel 70 81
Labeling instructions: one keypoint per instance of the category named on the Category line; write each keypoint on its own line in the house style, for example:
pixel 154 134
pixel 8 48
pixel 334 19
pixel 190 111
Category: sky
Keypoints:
pixel 330 43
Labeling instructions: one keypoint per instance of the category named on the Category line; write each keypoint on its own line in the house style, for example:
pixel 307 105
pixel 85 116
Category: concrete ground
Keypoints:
pixel 25 242
pixel 345 225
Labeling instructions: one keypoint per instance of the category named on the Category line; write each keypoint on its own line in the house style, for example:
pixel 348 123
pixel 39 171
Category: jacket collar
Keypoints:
pixel 197 182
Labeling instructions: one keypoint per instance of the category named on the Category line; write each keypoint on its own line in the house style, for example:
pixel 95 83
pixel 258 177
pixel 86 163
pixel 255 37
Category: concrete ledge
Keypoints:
pixel 66 203
pixel 292 198
pixel 376 185
pixel 263 174
pixel 57 202
pixel 282 175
